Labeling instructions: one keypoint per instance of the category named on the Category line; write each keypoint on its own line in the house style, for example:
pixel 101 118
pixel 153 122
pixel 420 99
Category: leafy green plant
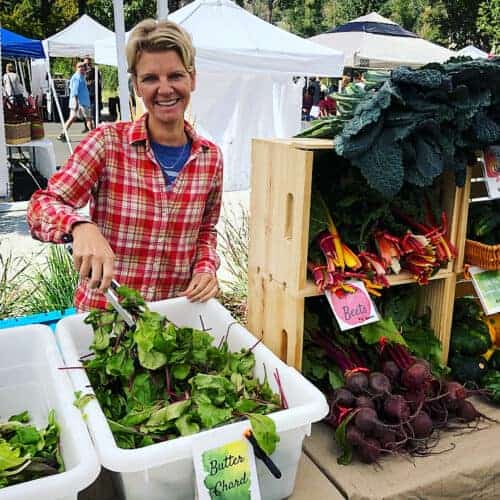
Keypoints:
pixel 14 294
pixel 54 282
pixel 26 452
pixel 159 381
pixel 233 244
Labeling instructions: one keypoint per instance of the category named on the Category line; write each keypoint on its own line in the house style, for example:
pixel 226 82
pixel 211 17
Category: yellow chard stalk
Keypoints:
pixel 335 235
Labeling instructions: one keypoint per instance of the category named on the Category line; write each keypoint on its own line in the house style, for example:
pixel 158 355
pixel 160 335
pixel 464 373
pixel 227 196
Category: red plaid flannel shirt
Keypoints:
pixel 159 237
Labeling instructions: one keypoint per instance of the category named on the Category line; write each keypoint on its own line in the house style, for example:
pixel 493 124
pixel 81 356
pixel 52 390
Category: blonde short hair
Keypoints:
pixel 155 36
pixel 10 68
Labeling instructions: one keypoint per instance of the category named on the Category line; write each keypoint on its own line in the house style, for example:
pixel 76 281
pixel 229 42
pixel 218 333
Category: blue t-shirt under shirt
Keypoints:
pixel 171 159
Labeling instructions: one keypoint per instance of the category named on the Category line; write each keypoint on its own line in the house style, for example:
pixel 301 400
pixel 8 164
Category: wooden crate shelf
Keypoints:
pixel 279 231
pixel 403 278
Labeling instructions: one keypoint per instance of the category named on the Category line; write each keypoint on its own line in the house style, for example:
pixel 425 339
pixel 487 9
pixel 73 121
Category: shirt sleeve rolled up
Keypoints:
pixel 52 212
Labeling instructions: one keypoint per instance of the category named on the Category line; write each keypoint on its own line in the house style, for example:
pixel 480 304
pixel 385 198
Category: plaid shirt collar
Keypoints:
pixel 138 133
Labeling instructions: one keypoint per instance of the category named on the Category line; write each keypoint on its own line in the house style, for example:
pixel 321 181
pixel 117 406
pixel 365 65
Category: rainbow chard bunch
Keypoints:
pixel 427 252
pixel 342 264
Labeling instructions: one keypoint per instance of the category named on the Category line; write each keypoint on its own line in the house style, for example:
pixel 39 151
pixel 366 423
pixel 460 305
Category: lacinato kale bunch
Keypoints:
pixel 159 381
pixel 421 122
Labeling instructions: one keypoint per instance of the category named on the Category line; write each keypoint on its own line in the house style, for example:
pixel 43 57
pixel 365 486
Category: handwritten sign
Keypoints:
pixel 353 309
pixel 487 286
pixel 491 171
pixel 227 470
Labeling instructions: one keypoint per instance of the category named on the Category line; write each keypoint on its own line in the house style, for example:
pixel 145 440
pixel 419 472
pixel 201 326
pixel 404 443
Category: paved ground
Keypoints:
pixel 14 233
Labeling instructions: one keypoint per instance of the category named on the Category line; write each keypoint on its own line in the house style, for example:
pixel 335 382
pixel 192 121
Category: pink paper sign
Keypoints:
pixel 353 309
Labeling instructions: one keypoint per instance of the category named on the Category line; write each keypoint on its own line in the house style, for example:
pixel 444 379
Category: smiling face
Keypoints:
pixel 165 86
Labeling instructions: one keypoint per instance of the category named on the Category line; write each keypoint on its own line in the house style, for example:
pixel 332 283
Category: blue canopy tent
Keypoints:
pixel 14 45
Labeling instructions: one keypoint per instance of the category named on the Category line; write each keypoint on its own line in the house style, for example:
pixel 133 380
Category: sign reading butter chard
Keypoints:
pixel 353 309
pixel 225 470
pixel 487 285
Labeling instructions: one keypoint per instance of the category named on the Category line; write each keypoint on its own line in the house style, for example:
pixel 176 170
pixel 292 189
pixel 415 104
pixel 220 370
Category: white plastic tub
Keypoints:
pixel 164 471
pixel 30 380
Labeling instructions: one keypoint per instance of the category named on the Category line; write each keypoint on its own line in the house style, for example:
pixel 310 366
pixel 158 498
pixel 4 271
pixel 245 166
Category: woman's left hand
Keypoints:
pixel 203 286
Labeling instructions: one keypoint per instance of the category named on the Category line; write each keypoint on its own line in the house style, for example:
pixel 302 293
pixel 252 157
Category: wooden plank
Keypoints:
pixel 462 215
pixel 280 205
pixel 312 144
pixel 403 278
pixel 439 296
pixel 277 317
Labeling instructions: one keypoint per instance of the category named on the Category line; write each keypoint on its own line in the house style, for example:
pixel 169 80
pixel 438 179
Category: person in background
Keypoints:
pixel 307 100
pixel 358 80
pixel 91 73
pixel 315 90
pixel 327 106
pixel 13 88
pixel 346 80
pixel 154 186
pixel 79 100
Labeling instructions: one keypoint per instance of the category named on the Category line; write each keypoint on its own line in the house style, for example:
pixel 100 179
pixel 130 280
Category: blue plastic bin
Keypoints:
pixel 49 318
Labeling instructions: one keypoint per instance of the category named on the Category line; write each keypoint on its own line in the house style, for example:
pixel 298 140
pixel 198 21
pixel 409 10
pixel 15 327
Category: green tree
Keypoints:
pixel 453 23
pixel 488 22
pixel 344 10
pixel 406 13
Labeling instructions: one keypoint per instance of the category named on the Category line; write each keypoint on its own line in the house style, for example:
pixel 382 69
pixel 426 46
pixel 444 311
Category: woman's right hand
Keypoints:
pixel 93 257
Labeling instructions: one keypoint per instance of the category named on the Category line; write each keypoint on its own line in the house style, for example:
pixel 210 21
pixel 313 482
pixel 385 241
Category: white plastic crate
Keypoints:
pixel 164 471
pixel 30 380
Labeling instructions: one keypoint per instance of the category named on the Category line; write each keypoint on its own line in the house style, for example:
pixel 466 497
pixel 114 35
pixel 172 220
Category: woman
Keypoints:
pixel 154 186
pixel 13 87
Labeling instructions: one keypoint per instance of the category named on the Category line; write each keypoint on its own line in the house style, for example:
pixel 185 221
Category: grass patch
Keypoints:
pixel 54 282
pixel 233 245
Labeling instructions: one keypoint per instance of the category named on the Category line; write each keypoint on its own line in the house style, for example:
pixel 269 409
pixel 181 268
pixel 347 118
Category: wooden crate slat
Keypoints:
pixel 403 278
pixel 278 318
pixel 462 217
pixel 280 209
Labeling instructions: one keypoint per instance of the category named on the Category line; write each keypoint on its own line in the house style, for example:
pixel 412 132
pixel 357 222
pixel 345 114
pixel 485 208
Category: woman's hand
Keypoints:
pixel 203 286
pixel 92 256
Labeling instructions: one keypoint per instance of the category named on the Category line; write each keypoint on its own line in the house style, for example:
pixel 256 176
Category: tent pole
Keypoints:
pixel 59 111
pixel 20 72
pixel 161 9
pixel 120 58
pixel 28 65
pixel 4 166
pixel 96 94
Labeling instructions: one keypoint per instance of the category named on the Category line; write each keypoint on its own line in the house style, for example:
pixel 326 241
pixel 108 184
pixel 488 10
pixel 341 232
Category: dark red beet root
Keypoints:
pixel 356 382
pixel 422 425
pixel 364 402
pixel 455 393
pixel 387 438
pixel 414 399
pixel 354 435
pixel 416 377
pixel 344 398
pixel 423 362
pixel 369 450
pixel 379 383
pixel 396 408
pixel 465 410
pixel 391 371
pixel 366 420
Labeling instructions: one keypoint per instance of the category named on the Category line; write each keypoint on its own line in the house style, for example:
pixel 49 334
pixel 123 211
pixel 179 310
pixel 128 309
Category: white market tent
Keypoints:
pixel 77 40
pixel 244 78
pixel 377 42
pixel 474 52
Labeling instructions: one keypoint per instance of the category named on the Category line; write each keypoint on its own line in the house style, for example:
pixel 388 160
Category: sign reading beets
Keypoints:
pixel 353 309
